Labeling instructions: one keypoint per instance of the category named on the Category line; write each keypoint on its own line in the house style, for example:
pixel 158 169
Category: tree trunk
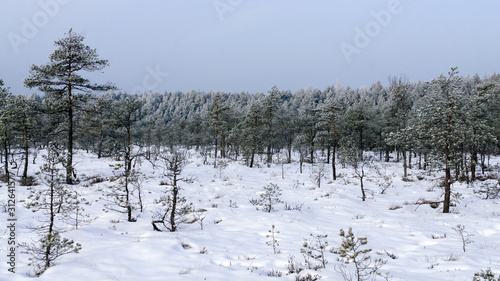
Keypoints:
pixel 361 176
pixel 26 153
pixel 328 153
pixel 269 154
pixel 6 159
pixel 473 163
pixel 289 160
pixel 405 165
pixel 425 161
pixel 128 152
pixel 409 159
pixel 173 226
pixel 301 161
pixel 99 143
pixel 447 190
pixel 252 156
pixel 127 197
pixel 222 145
pixel 362 189
pixel 483 166
pixel 69 162
pixel 216 137
pixel 334 170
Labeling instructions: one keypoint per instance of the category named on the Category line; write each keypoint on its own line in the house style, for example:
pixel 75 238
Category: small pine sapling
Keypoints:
pixel 315 248
pixel 121 193
pixel 464 236
pixel 50 200
pixel 351 252
pixel 175 208
pixel 48 249
pixel 488 190
pixel 270 197
pixel 318 173
pixel 221 166
pixel 292 266
pixel 487 275
pixel 383 180
pixel 175 211
pixel 273 242
pixel 73 214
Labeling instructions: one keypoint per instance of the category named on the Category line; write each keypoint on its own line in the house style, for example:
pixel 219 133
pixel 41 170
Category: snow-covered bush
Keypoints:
pixel 487 275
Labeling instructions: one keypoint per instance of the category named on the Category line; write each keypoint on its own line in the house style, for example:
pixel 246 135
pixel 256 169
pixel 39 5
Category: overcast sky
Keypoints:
pixel 251 45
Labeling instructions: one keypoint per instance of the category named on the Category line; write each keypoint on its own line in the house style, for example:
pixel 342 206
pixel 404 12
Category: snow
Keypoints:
pixel 232 244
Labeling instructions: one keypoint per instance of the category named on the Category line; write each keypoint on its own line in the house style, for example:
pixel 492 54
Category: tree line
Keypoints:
pixel 451 122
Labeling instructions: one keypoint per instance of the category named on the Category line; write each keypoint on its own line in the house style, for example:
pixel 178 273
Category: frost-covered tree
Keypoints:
pixel 7 120
pixel 174 207
pixel 252 133
pixel 301 144
pixel 441 124
pixel 484 107
pixel 26 113
pixel 124 195
pixel 270 197
pixel 94 130
pixel 402 103
pixel 219 115
pixel 330 120
pixel 60 79
pixel 270 107
pixel 353 156
pixel 50 199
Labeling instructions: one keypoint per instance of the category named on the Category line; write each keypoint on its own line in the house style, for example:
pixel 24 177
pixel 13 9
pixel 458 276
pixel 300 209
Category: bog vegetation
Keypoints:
pixel 451 123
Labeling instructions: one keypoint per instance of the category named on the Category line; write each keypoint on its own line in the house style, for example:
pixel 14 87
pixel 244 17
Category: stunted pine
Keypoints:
pixel 60 79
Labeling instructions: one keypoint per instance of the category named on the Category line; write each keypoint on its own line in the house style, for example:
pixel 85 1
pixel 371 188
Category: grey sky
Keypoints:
pixel 251 45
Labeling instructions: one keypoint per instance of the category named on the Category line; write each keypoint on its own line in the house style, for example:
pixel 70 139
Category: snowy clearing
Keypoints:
pixel 417 241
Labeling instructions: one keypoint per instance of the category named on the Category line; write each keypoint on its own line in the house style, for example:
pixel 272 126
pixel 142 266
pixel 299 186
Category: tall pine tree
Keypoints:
pixel 60 79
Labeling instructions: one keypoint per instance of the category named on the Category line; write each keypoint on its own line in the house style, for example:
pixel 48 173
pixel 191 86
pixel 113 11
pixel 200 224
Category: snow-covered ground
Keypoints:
pixel 232 245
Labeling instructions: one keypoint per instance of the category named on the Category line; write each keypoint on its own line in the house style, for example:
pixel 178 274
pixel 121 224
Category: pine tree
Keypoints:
pixel 352 251
pixel 175 207
pixel 218 115
pixel 402 103
pixel 25 113
pixel 270 111
pixel 50 201
pixel 125 114
pixel 252 133
pixel 6 126
pixel 330 119
pixel 61 81
pixel 441 125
